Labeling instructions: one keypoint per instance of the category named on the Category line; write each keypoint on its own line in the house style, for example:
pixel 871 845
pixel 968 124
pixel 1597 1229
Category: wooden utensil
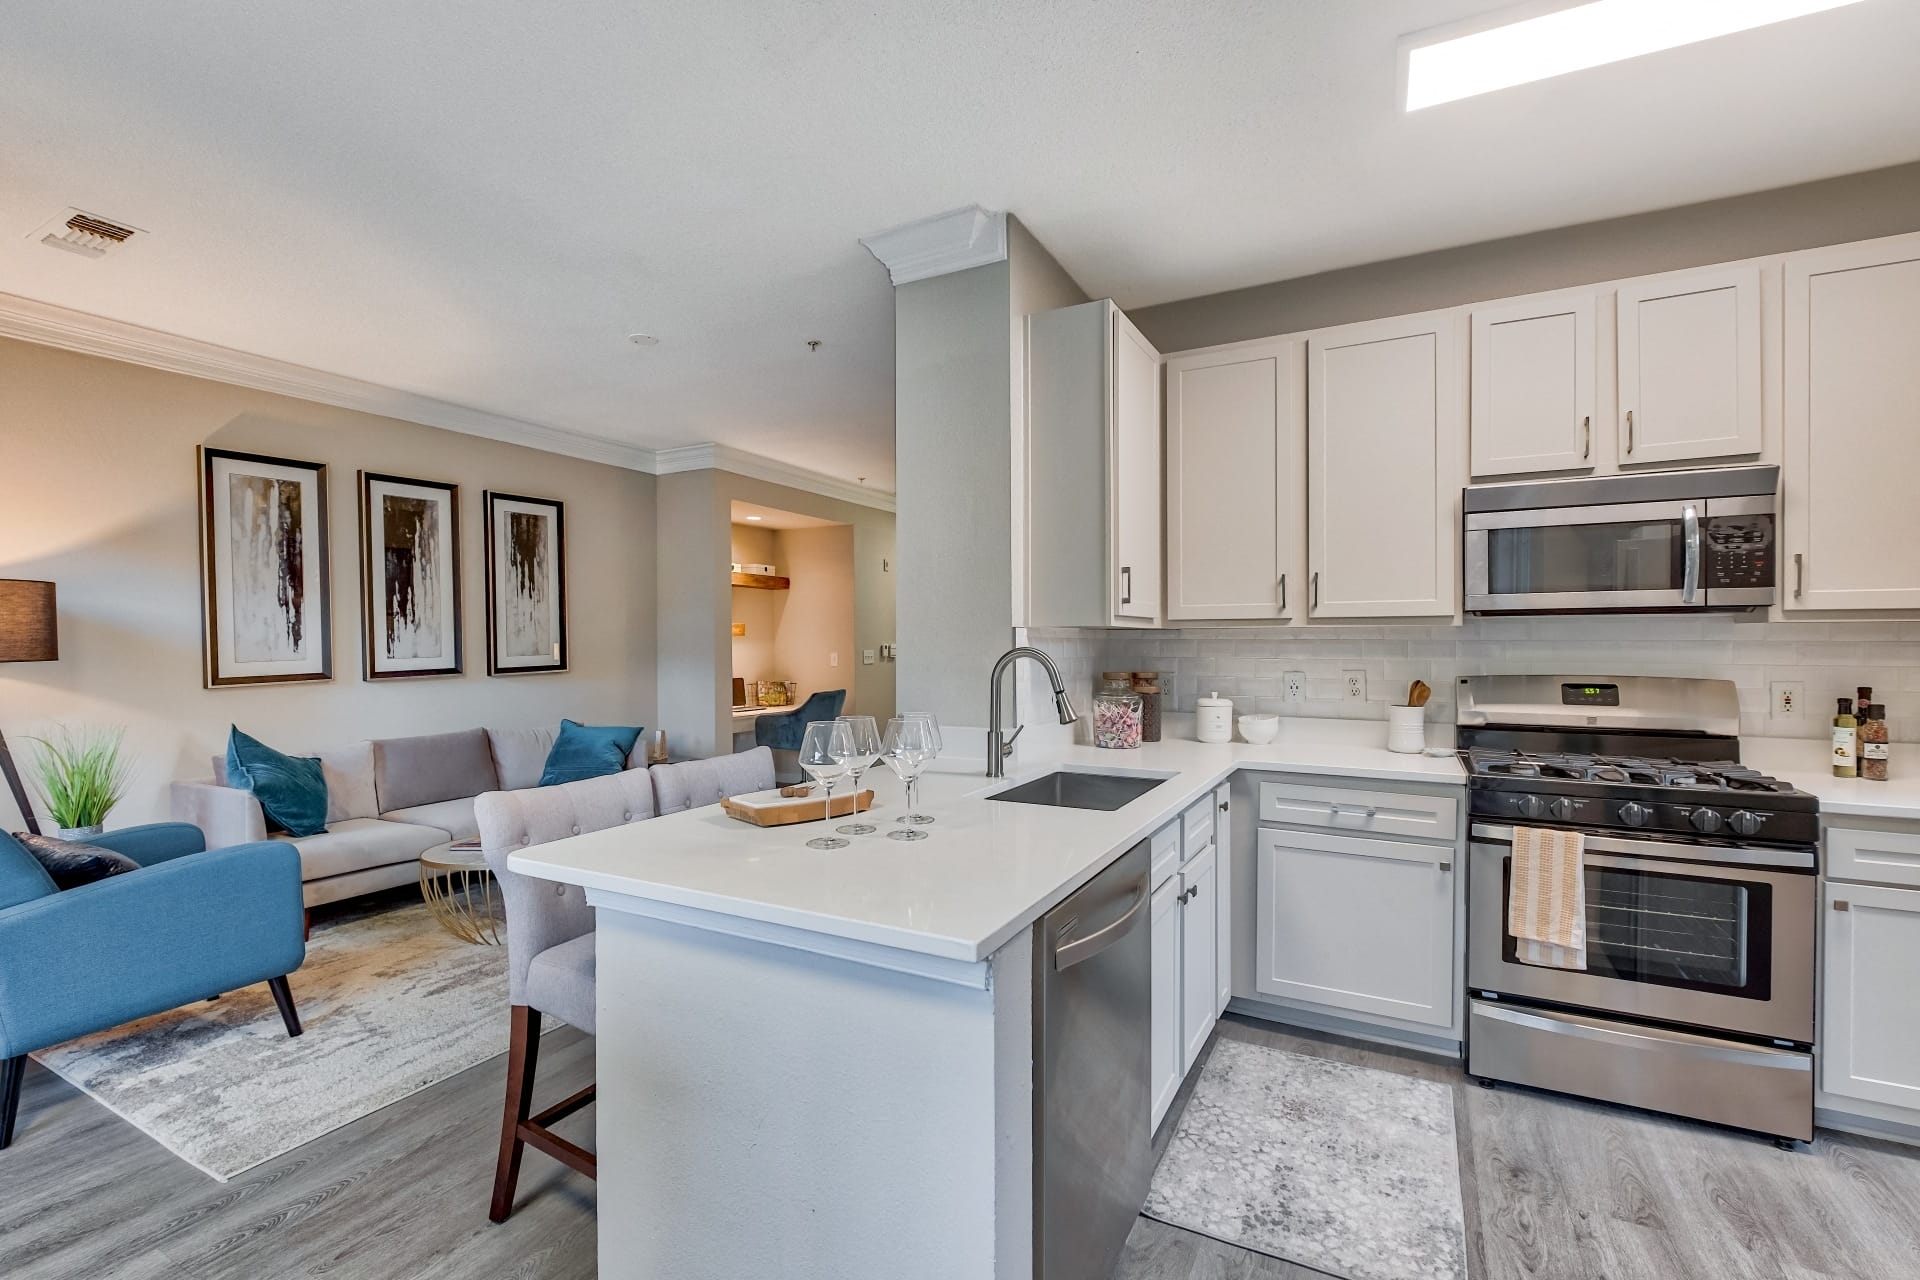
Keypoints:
pixel 768 809
pixel 1417 693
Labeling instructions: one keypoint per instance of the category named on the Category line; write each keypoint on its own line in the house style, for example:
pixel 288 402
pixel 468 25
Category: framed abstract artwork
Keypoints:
pixel 526 585
pixel 264 606
pixel 409 576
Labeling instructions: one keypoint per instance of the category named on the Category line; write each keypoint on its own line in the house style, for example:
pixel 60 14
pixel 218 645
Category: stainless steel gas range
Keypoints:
pixel 1700 883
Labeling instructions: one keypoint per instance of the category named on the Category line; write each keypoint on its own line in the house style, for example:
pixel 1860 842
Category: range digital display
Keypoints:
pixel 1590 695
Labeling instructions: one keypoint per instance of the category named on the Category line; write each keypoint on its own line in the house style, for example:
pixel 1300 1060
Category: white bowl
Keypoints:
pixel 1261 729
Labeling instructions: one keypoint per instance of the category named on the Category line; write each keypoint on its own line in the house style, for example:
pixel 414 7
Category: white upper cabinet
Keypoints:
pixel 1689 366
pixel 1850 527
pixel 1533 386
pixel 1236 450
pixel 1386 458
pixel 1093 493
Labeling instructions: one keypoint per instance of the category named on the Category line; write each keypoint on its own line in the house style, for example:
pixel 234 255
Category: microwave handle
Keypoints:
pixel 1690 530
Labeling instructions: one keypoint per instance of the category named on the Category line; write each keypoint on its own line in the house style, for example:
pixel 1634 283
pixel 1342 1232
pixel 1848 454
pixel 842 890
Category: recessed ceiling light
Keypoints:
pixel 643 340
pixel 1526 44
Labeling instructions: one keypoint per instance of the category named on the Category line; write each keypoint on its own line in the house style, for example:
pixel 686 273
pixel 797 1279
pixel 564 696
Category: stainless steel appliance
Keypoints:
pixel 1653 541
pixel 1093 960
pixel 1701 892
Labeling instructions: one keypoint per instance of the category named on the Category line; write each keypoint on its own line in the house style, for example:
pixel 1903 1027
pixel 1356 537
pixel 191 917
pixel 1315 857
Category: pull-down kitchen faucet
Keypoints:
pixel 1000 745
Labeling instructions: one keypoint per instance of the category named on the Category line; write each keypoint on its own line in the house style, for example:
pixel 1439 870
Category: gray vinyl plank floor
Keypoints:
pixel 1553 1188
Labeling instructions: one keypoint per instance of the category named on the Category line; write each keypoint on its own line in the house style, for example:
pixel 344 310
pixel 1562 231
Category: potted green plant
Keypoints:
pixel 82 774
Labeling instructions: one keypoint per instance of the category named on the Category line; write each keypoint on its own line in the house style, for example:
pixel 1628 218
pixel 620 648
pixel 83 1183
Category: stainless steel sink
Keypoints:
pixel 1106 791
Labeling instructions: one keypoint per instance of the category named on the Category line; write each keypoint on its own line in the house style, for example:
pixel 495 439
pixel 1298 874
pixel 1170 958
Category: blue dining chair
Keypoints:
pixel 785 733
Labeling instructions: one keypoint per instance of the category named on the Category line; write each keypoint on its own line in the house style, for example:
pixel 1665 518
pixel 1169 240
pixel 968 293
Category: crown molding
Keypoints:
pixel 93 335
pixel 946 242
pixel 720 457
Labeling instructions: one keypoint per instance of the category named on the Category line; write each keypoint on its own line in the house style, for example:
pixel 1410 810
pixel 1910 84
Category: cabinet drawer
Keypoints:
pixel 1880 857
pixel 1375 812
pixel 1163 854
pixel 1197 826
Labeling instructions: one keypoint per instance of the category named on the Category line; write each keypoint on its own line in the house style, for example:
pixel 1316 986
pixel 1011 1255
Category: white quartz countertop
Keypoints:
pixel 987 870
pixel 1807 764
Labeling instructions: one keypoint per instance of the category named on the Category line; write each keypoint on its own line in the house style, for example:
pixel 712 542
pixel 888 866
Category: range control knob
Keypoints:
pixel 1635 814
pixel 1564 808
pixel 1705 821
pixel 1745 822
pixel 1530 806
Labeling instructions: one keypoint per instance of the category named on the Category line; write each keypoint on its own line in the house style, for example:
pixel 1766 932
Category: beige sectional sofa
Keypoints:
pixel 389 800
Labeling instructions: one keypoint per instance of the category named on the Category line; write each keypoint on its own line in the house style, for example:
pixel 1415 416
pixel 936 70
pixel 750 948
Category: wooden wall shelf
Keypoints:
pixel 761 581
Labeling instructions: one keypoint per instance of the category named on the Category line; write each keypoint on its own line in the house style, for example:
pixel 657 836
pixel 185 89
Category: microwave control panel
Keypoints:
pixel 1740 551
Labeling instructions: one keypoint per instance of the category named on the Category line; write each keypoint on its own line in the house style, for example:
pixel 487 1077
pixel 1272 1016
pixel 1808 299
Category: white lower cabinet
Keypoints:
pixel 1165 1058
pixel 1198 957
pixel 1870 1000
pixel 1357 923
pixel 1186 915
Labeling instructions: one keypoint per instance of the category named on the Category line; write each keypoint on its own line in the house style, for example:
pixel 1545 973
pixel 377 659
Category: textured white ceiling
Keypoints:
pixel 477 200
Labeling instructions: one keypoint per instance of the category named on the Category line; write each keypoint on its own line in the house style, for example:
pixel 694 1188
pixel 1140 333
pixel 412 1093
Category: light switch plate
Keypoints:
pixel 866 657
pixel 833 659
pixel 1354 685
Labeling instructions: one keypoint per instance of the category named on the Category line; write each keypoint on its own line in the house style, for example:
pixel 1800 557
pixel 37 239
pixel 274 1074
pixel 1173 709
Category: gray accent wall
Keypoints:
pixel 1860 206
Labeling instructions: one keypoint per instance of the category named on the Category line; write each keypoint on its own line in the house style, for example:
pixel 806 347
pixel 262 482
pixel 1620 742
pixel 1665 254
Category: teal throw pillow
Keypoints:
pixel 292 790
pixel 587 751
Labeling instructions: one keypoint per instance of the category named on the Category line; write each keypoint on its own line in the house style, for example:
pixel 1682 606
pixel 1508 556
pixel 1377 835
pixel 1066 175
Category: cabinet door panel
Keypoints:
pixel 1233 481
pixel 1223 891
pixel 1385 460
pixel 1849 525
pixel 1358 924
pixel 1690 366
pixel 1135 448
pixel 1165 1066
pixel 1870 1006
pixel 1533 388
pixel 1197 957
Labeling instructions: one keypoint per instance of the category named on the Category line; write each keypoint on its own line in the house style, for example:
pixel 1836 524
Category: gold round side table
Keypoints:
pixel 458 890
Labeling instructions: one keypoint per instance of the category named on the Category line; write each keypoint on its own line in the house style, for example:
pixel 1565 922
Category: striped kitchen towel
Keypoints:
pixel 1547 901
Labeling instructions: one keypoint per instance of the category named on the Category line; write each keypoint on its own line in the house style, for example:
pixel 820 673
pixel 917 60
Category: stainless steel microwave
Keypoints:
pixel 1651 542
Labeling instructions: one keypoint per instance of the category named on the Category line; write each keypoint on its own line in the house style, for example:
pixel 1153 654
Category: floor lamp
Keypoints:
pixel 28 633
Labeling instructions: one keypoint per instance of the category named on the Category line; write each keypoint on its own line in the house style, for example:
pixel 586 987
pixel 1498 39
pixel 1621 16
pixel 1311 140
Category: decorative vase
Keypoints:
pixel 80 833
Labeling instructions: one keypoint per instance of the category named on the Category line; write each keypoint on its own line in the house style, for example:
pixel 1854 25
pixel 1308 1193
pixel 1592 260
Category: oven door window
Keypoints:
pixel 1697 932
pixel 1635 555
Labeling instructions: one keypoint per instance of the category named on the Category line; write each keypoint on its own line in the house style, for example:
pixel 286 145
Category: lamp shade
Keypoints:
pixel 28 630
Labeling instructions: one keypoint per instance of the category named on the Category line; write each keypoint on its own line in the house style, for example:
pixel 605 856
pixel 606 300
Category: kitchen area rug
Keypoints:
pixel 1349 1170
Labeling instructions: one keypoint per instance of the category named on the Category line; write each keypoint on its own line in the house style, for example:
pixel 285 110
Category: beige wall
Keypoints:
pixel 815 626
pixel 101 497
pixel 753 653
pixel 1860 206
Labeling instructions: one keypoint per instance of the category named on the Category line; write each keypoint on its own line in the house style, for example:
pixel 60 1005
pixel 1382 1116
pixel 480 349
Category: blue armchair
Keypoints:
pixel 189 925
pixel 785 733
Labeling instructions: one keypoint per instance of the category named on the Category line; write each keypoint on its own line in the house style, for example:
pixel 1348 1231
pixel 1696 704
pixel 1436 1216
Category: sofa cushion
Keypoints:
pixel 22 878
pixel 583 751
pixel 359 843
pixel 292 790
pixel 432 768
pixel 519 755
pixel 560 982
pixel 71 863
pixel 349 773
pixel 455 817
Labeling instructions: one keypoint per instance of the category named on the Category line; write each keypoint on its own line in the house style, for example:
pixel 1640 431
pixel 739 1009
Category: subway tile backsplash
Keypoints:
pixel 1247 663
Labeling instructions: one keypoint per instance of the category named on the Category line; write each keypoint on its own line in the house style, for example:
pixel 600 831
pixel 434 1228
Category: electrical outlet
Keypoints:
pixel 1293 686
pixel 1789 699
pixel 1356 685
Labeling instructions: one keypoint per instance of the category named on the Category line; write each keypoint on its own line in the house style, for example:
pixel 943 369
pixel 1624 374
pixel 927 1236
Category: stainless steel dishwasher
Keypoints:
pixel 1093 975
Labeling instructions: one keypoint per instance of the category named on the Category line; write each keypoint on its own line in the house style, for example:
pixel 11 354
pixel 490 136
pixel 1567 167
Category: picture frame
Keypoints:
pixel 266 613
pixel 526 584
pixel 409 577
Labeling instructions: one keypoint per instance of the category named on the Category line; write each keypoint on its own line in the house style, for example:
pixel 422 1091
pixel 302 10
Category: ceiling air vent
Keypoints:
pixel 86 234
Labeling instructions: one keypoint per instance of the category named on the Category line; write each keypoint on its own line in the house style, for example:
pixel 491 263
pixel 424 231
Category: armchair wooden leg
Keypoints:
pixel 283 997
pixel 523 1056
pixel 12 1072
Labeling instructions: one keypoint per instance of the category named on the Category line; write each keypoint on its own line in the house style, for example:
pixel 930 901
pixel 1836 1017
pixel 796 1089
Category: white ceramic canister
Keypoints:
pixel 1407 730
pixel 1213 718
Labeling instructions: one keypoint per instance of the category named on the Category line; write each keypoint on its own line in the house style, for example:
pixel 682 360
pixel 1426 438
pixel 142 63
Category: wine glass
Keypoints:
pixel 906 749
pixel 936 745
pixel 866 753
pixel 824 752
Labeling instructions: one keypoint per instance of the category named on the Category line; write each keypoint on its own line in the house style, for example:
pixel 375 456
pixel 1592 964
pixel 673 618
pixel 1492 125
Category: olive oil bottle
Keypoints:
pixel 1846 742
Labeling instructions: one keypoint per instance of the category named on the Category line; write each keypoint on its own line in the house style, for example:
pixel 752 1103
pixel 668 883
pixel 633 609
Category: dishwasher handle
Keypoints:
pixel 1068 954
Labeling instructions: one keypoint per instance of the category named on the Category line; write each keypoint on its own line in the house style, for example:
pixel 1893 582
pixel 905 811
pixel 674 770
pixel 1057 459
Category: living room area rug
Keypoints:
pixel 391 1003
pixel 1349 1170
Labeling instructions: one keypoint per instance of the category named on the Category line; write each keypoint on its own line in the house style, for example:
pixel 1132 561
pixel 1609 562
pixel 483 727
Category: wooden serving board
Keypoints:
pixel 771 809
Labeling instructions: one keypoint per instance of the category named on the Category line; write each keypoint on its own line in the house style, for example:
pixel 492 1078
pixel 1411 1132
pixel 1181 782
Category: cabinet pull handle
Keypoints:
pixel 1126 584
pixel 1629 431
pixel 1799 575
pixel 1223 805
pixel 1315 603
pixel 1283 593
pixel 1841 904
pixel 1586 437
pixel 1444 866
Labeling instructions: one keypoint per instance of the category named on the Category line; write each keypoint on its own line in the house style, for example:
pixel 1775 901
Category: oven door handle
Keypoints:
pixel 1690 574
pixel 1791 859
